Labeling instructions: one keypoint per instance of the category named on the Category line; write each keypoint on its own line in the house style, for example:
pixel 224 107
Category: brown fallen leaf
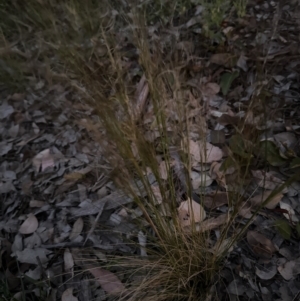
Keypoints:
pixel 190 212
pixel 271 204
pixel 108 280
pixel 261 246
pixel 30 225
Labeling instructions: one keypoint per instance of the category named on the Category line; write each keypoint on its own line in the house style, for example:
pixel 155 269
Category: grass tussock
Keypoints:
pixel 143 120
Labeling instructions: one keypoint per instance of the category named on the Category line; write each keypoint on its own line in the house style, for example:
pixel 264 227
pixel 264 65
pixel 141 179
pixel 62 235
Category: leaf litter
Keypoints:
pixel 45 156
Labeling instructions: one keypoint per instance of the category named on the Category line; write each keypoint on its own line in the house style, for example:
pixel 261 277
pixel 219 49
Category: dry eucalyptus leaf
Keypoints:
pixel 30 255
pixel 286 270
pixel 68 261
pixel 157 194
pixel 266 273
pixel 163 173
pixel 43 160
pixel 33 241
pixel 38 204
pixel 223 59
pixel 287 139
pixel 216 200
pixel 291 213
pixel 35 273
pixel 223 245
pixel 213 223
pixel 68 295
pixel 245 210
pixel 272 203
pixel 108 281
pixel 236 288
pixel 218 174
pixel 18 243
pixel 204 152
pixel 200 179
pixel 29 225
pixel 5 110
pixel 77 229
pixel 242 63
pixel 210 89
pixel 142 241
pixel 5 148
pixel 266 180
pixel 190 212
pixel 141 97
pixel 261 245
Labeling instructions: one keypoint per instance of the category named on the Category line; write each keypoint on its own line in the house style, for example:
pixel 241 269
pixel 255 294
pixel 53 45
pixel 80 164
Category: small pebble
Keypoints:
pixel 272 3
pixel 257 7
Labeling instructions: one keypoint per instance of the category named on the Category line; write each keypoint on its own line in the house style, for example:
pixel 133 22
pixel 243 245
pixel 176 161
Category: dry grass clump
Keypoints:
pixel 136 84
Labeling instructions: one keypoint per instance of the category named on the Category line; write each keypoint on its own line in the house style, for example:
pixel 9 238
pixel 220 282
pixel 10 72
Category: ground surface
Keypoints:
pixel 58 203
